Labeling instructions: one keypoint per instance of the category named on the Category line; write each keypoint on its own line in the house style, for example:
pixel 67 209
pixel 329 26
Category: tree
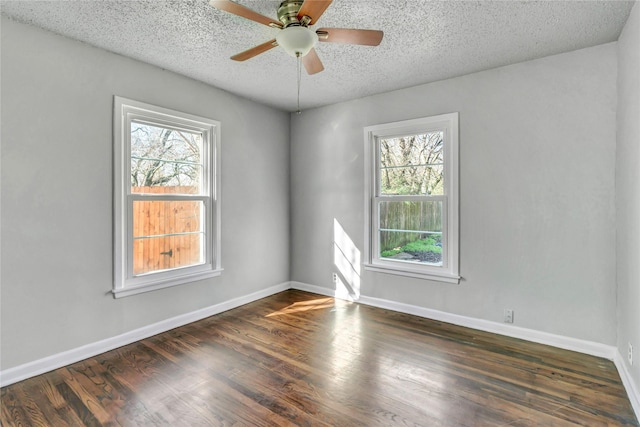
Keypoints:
pixel 164 157
pixel 412 164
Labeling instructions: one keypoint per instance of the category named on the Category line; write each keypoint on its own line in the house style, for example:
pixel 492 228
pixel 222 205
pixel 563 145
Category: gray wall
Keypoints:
pixel 537 158
pixel 57 97
pixel 628 191
pixel 537 139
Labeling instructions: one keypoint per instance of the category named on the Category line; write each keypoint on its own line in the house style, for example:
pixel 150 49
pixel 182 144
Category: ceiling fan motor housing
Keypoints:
pixel 296 38
pixel 288 12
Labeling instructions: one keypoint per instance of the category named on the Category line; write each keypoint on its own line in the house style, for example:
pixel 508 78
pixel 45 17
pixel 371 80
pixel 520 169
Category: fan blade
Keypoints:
pixel 313 9
pixel 348 35
pixel 237 9
pixel 312 62
pixel 254 51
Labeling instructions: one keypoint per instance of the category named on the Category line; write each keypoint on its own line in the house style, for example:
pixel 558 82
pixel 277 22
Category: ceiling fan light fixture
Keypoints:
pixel 297 40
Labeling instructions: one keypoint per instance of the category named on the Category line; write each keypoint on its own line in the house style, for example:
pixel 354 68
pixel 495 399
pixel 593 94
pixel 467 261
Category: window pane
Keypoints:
pixel 412 164
pixel 411 231
pixel 166 158
pixel 167 234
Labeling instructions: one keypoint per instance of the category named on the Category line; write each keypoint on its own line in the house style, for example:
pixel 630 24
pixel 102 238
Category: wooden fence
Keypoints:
pixel 405 215
pixel 157 226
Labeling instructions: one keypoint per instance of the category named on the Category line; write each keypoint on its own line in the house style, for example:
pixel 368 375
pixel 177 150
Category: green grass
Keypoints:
pixel 423 245
pixel 390 253
pixel 414 248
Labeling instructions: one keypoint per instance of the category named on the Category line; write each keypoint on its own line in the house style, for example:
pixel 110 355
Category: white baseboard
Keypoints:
pixel 567 343
pixel 321 291
pixel 37 367
pixel 632 389
pixel 559 341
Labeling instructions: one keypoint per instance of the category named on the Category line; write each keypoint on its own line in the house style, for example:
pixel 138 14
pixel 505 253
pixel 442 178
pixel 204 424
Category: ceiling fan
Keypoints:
pixel 296 38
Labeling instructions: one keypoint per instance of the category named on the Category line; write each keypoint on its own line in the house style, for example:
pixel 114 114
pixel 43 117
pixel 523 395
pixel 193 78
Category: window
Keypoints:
pixel 412 198
pixel 166 198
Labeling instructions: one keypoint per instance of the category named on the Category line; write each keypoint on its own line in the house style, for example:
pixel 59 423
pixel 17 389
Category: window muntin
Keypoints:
pixel 167 210
pixel 412 213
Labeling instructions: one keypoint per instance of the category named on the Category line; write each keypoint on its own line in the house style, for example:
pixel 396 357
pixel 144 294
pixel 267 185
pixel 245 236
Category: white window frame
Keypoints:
pixel 449 271
pixel 125 282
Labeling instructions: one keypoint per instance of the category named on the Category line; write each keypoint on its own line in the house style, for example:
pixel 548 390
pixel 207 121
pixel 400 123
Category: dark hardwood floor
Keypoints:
pixel 302 359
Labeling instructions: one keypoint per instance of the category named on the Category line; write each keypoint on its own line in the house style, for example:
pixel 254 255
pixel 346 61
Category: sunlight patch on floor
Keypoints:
pixel 316 304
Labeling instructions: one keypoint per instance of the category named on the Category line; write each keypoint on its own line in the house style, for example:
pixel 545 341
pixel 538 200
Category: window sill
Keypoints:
pixel 435 276
pixel 165 283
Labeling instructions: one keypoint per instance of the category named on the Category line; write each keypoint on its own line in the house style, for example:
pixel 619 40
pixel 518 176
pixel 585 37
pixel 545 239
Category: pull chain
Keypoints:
pixel 299 57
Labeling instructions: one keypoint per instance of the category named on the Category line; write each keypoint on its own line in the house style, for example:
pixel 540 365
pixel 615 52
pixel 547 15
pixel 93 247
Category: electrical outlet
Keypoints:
pixel 335 278
pixel 630 354
pixel 508 315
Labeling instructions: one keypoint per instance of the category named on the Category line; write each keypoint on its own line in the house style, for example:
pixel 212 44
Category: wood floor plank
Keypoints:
pixel 297 358
pixel 38 414
pixel 13 409
pixel 76 405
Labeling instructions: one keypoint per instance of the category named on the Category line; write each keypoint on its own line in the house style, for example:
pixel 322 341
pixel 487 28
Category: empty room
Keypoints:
pixel 320 213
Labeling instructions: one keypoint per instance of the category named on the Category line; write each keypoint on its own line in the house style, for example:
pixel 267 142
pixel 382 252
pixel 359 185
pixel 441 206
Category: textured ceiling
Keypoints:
pixel 424 41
